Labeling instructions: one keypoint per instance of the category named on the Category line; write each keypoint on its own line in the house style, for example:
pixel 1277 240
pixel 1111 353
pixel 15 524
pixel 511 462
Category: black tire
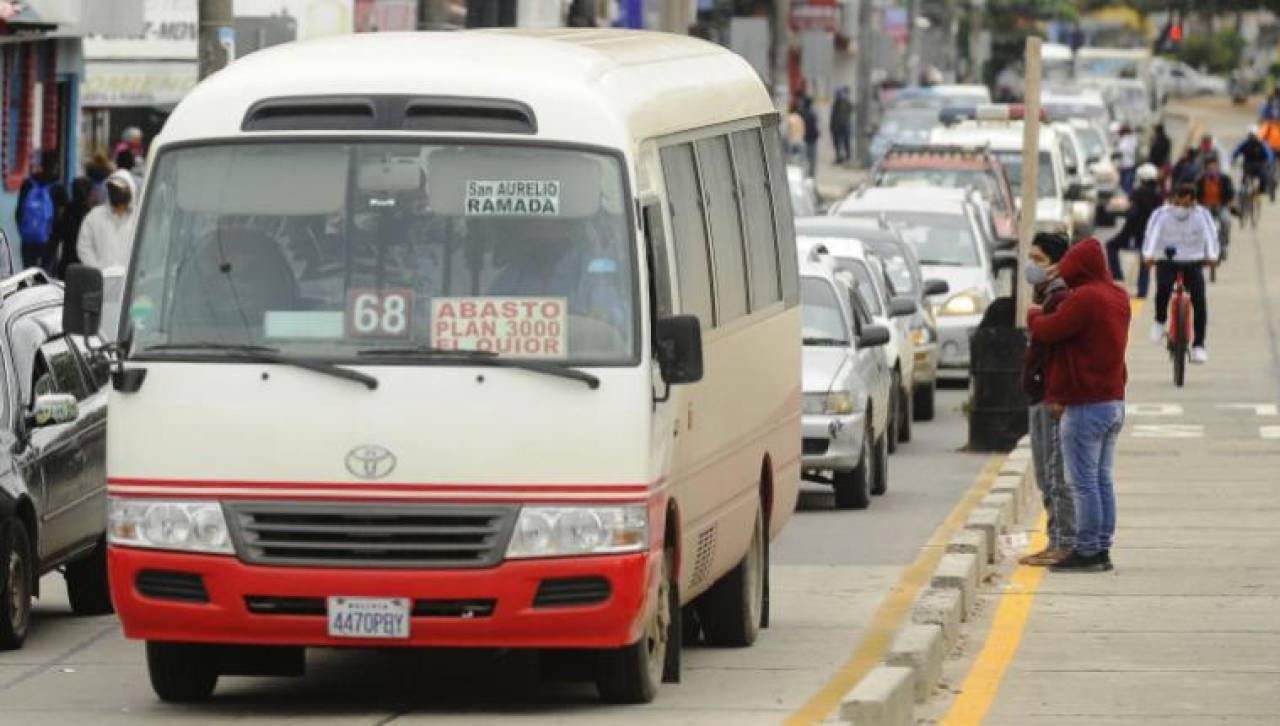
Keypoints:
pixel 182 672
pixel 1178 348
pixel 732 609
pixel 905 412
pixel 16 568
pixel 87 586
pixel 880 473
pixel 895 402
pixel 632 674
pixel 853 487
pixel 922 401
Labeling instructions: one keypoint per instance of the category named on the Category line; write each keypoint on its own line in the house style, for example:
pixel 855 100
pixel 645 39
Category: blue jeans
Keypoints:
pixel 1089 434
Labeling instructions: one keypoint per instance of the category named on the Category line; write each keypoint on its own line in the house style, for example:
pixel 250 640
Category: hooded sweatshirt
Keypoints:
pixel 1088 332
pixel 106 235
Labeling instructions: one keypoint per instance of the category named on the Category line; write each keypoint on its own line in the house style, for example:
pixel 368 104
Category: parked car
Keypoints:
pixel 1179 80
pixel 1084 211
pixel 905 278
pixel 804 192
pixel 1001 129
pixel 864 274
pixel 1112 201
pixel 962 94
pixel 961 167
pixel 53 491
pixel 846 389
pixel 945 227
pixel 910 125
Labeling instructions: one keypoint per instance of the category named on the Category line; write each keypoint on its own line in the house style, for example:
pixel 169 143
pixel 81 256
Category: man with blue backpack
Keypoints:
pixel 40 202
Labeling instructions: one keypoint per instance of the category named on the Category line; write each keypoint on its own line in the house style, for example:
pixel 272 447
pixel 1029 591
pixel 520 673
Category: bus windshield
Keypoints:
pixel 334 250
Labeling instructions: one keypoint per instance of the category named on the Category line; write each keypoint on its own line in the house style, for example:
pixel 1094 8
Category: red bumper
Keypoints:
pixel 512 585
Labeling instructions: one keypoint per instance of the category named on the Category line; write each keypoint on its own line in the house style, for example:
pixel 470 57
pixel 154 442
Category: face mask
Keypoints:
pixel 118 197
pixel 1182 214
pixel 1035 274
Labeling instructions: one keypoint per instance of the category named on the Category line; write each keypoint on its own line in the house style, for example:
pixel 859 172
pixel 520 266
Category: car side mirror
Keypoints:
pixel 52 409
pixel 936 287
pixel 902 306
pixel 873 336
pixel 1006 243
pixel 1075 192
pixel 1116 156
pixel 1004 260
pixel 679 349
pixel 82 303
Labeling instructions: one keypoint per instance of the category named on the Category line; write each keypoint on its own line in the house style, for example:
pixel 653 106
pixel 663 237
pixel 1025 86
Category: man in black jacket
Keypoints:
pixel 1144 201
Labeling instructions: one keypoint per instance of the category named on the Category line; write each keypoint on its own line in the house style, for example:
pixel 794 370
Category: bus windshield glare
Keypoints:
pixel 331 250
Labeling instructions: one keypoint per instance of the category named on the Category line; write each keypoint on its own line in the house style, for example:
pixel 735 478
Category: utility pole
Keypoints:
pixel 433 14
pixel 977 21
pixel 217 36
pixel 863 111
pixel 913 44
pixel 1030 175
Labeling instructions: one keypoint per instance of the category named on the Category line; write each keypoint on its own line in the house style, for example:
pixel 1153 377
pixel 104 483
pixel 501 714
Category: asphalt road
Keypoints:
pixel 830 571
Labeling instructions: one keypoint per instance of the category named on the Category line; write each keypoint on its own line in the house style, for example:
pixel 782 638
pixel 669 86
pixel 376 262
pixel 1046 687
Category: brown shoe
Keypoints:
pixel 1046 558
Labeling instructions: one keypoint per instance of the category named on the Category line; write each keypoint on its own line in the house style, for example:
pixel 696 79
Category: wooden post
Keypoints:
pixel 1030 177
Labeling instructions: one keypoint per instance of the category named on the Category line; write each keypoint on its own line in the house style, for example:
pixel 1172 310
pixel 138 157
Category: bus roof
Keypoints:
pixel 594 86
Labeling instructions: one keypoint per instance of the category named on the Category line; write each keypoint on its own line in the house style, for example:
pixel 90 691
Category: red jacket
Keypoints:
pixel 1088 331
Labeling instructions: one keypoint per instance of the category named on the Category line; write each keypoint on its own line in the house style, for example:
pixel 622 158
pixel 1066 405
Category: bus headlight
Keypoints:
pixel 587 530
pixel 164 525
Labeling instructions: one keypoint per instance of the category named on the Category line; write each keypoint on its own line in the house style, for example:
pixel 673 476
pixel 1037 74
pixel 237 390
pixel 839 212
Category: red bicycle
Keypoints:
pixel 1180 324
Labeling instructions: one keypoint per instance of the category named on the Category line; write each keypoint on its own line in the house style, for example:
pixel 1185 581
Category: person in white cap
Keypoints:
pixel 106 235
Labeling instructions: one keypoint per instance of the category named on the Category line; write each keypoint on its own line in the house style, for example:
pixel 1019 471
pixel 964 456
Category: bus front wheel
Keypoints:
pixel 182 672
pixel 633 673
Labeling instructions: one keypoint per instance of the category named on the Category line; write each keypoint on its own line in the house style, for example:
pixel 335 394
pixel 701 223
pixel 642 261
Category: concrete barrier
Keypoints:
pixel 1009 505
pixel 972 542
pixel 959 572
pixel 920 648
pixel 1015 492
pixel 885 697
pixel 989 523
pixel 941 608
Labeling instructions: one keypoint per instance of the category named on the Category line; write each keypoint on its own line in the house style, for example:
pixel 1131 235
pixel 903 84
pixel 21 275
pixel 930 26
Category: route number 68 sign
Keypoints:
pixel 380 314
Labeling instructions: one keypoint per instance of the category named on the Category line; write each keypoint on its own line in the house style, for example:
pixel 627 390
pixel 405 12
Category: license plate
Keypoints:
pixel 368 617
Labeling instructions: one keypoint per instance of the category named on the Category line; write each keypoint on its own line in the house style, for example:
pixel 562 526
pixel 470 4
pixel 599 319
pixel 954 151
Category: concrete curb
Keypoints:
pixel 920 648
pixel 886 697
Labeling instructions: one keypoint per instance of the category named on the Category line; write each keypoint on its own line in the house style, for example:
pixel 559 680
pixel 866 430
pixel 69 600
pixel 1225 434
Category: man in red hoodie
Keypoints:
pixel 1086 379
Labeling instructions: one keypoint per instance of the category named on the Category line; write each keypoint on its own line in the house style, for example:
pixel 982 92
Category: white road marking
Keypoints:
pixel 1168 431
pixel 1259 409
pixel 1269 432
pixel 1153 409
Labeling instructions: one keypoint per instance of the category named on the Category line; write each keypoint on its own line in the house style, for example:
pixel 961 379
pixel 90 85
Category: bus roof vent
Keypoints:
pixel 482 115
pixel 312 113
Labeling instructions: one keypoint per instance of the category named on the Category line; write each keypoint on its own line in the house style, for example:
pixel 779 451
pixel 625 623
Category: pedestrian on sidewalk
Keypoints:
pixel 106 234
pixel 1146 199
pixel 1085 380
pixel 41 200
pixel 842 125
pixel 1187 229
pixel 1047 250
pixel 811 134
pixel 1127 147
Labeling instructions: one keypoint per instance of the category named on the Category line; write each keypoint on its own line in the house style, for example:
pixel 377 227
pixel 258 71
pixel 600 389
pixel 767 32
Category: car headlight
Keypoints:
pixel 168 525
pixel 838 403
pixel 968 302
pixel 586 530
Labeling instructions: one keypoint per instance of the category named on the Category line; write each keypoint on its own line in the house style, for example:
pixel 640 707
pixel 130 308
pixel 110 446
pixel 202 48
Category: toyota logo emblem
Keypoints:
pixel 370 461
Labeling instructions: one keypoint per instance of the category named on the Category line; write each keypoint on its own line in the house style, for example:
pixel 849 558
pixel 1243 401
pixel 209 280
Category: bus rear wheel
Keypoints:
pixel 182 672
pixel 633 673
pixel 732 610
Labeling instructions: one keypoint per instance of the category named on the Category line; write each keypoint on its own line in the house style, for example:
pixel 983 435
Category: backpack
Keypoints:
pixel 37 215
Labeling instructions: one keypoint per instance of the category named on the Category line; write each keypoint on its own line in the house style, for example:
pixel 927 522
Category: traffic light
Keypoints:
pixel 1175 33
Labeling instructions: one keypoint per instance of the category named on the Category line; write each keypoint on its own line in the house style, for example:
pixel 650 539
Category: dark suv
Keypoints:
pixel 53 424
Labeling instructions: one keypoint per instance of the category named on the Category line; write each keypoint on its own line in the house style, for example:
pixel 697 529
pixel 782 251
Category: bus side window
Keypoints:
pixel 659 266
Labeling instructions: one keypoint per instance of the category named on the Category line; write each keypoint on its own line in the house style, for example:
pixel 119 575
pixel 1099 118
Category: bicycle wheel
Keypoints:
pixel 1178 343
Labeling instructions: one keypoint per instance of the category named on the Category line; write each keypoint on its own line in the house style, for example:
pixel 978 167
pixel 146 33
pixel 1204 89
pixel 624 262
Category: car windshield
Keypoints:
pixel 898 269
pixel 1095 146
pixel 1107 67
pixel 1047 187
pixel 1092 112
pixel 823 323
pixel 938 238
pixel 980 179
pixel 330 250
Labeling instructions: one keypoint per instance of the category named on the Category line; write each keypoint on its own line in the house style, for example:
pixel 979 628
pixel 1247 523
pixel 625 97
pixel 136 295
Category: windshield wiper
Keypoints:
pixel 824 341
pixel 485 358
pixel 265 354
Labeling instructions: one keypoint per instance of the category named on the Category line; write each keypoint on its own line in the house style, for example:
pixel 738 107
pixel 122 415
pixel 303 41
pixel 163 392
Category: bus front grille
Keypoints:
pixel 370 535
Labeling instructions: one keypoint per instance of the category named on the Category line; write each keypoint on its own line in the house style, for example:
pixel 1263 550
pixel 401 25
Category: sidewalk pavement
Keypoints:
pixel 834 181
pixel 1186 631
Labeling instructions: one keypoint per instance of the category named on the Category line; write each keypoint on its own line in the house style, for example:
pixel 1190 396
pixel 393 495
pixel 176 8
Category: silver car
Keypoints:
pixel 846 389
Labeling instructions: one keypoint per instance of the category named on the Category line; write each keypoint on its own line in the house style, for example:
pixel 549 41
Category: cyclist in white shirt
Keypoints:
pixel 1191 232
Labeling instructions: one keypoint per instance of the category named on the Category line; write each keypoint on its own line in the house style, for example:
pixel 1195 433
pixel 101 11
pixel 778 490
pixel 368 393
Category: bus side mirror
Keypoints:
pixel 679 348
pixel 901 307
pixel 82 302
